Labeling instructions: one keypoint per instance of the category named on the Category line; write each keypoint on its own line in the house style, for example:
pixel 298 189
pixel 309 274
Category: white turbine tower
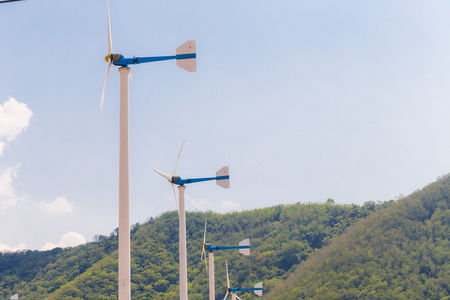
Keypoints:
pixel 222 179
pixel 244 248
pixel 186 59
pixel 232 291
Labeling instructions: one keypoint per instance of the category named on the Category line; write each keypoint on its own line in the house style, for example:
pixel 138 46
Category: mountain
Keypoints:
pixel 401 252
pixel 281 238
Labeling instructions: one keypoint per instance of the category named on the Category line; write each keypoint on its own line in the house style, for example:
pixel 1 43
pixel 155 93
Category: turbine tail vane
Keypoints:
pixel 245 251
pixel 223 177
pixel 259 291
pixel 186 56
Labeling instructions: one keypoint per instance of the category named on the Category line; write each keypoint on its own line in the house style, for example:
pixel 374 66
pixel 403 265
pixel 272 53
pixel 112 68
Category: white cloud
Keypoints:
pixel 14 118
pixel 8 197
pixel 58 206
pixel 7 248
pixel 69 239
pixel 197 203
pixel 228 205
pixel 203 205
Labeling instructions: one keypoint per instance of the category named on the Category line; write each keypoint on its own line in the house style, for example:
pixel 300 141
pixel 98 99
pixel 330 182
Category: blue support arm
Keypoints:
pixel 123 62
pixel 234 290
pixel 181 181
pixel 214 248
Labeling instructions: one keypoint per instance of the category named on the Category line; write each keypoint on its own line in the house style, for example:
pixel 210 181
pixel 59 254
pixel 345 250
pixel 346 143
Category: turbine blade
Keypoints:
pixel 110 50
pixel 167 176
pixel 206 261
pixel 104 86
pixel 176 200
pixel 178 161
pixel 226 295
pixel 228 277
pixel 204 232
pixel 237 297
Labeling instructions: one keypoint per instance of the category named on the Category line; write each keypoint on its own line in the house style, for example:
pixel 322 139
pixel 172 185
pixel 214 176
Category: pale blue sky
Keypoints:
pixel 304 100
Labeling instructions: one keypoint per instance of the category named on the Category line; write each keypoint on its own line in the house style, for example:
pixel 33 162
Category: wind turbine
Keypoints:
pixel 257 289
pixel 222 179
pixel 244 248
pixel 186 59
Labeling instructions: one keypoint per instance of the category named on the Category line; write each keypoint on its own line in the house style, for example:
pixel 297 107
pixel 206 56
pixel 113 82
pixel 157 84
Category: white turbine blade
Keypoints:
pixel 237 297
pixel 167 176
pixel 225 183
pixel 228 277
pixel 178 161
pixel 204 232
pixel 259 292
pixel 203 252
pixel 206 260
pixel 104 86
pixel 245 251
pixel 204 240
pixel 110 50
pixel 176 200
pixel 226 295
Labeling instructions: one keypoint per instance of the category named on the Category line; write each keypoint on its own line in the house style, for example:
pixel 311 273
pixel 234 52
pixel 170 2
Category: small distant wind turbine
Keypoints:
pixel 257 289
pixel 244 248
pixel 222 179
pixel 186 59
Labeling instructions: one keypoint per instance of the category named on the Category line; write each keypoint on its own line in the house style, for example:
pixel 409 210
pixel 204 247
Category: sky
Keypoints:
pixel 303 100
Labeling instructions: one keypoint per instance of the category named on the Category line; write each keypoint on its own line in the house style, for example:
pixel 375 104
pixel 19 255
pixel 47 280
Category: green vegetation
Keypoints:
pixel 281 237
pixel 402 252
pixel 391 250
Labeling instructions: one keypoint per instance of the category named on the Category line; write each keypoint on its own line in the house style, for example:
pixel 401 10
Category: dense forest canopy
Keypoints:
pixel 390 250
pixel 281 237
pixel 402 252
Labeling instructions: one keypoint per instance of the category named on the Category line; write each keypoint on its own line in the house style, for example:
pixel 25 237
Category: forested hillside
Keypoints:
pixel 401 252
pixel 281 237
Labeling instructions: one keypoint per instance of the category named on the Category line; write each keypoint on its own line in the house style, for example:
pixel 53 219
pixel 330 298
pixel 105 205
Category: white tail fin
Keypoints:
pixel 225 183
pixel 245 251
pixel 189 64
pixel 259 285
